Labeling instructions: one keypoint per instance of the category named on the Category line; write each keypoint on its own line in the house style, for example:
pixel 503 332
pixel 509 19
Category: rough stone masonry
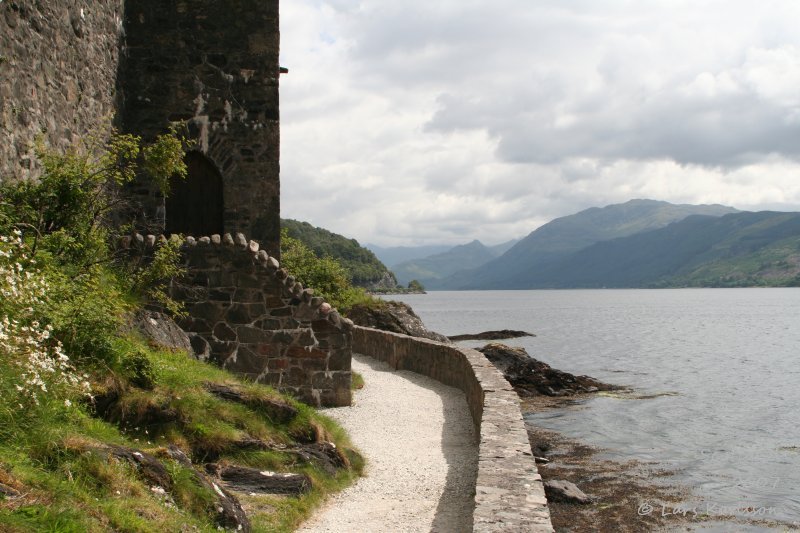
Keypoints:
pixel 68 67
pixel 250 316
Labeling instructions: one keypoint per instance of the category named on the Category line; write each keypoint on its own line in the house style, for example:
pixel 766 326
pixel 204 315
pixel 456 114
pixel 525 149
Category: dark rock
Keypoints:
pixel 530 377
pixel 324 454
pixel 491 335
pixel 277 410
pixel 396 317
pixel 224 332
pixel 8 492
pixel 541 460
pixel 539 448
pixel 162 331
pixel 559 490
pixel 147 466
pixel 148 415
pixel 230 514
pixel 176 454
pixel 201 349
pixel 103 403
pixel 244 479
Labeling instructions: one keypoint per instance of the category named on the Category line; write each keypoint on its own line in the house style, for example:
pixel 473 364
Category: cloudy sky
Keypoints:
pixel 441 121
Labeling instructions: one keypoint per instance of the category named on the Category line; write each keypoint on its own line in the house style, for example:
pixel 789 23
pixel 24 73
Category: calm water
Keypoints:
pixel 724 362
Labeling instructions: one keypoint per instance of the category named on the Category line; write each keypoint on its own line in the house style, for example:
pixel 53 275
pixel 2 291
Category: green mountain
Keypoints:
pixel 429 269
pixel 564 236
pixel 365 269
pixel 394 255
pixel 739 249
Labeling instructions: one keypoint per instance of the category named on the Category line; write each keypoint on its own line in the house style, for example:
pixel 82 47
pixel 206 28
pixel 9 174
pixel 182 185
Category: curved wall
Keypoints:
pixel 248 315
pixel 509 495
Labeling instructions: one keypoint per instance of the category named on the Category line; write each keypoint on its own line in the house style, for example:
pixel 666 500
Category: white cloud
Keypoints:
pixel 429 122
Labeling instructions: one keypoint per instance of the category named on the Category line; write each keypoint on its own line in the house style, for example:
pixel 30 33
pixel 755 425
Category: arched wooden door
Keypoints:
pixel 195 205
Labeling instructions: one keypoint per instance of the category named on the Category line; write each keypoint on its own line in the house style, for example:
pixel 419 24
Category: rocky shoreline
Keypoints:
pixel 531 377
pixel 614 490
pixel 585 492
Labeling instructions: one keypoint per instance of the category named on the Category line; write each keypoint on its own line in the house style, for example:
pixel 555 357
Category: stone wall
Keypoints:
pixel 509 495
pixel 248 315
pixel 214 65
pixel 58 66
pixel 69 67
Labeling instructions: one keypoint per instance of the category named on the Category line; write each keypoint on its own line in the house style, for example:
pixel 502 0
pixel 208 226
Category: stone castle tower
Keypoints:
pixel 68 65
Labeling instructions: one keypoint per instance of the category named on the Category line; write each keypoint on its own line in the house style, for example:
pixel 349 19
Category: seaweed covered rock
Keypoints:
pixel 494 335
pixel 559 490
pixel 530 376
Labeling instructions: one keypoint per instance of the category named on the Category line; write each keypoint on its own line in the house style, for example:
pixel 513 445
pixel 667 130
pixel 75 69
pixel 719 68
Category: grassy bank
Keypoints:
pixel 100 428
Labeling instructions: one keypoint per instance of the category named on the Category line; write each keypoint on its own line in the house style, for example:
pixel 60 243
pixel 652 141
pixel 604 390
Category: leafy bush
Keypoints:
pixel 34 362
pixel 325 275
pixel 65 220
pixel 151 279
pixel 139 370
pixel 67 211
pixel 362 266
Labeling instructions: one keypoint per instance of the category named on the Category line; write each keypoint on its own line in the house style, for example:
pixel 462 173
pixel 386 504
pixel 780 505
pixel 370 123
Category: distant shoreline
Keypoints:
pixel 390 292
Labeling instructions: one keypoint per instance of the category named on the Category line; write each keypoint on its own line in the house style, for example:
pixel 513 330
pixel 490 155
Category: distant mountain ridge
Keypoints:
pixel 564 236
pixel 394 255
pixel 640 243
pixel 735 250
pixel 438 266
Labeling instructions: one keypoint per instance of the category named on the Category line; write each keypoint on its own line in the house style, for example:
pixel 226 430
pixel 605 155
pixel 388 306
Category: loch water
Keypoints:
pixel 715 375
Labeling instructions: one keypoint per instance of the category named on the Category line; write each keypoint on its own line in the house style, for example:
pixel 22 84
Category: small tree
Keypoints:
pixel 325 275
pixel 68 209
pixel 63 221
pixel 415 285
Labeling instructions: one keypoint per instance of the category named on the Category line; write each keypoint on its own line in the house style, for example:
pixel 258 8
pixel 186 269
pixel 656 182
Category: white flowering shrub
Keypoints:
pixel 27 346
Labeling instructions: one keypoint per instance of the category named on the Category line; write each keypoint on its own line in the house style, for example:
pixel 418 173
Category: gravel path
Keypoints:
pixel 419 442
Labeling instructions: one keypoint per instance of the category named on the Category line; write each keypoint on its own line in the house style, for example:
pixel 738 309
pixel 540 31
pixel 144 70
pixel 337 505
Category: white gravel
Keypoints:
pixel 419 442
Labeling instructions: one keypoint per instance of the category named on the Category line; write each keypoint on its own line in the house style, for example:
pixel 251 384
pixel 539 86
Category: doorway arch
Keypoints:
pixel 195 205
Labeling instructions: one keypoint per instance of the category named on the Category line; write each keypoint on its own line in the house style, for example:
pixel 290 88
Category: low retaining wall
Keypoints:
pixel 254 319
pixel 509 495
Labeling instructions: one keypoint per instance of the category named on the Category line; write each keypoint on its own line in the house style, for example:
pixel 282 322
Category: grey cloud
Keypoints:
pixel 518 70
pixel 472 119
pixel 729 132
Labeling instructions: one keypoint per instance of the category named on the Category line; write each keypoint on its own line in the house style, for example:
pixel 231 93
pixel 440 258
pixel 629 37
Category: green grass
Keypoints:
pixel 357 382
pixel 54 457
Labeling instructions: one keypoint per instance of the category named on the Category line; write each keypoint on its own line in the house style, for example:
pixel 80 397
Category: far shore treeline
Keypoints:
pixel 637 244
